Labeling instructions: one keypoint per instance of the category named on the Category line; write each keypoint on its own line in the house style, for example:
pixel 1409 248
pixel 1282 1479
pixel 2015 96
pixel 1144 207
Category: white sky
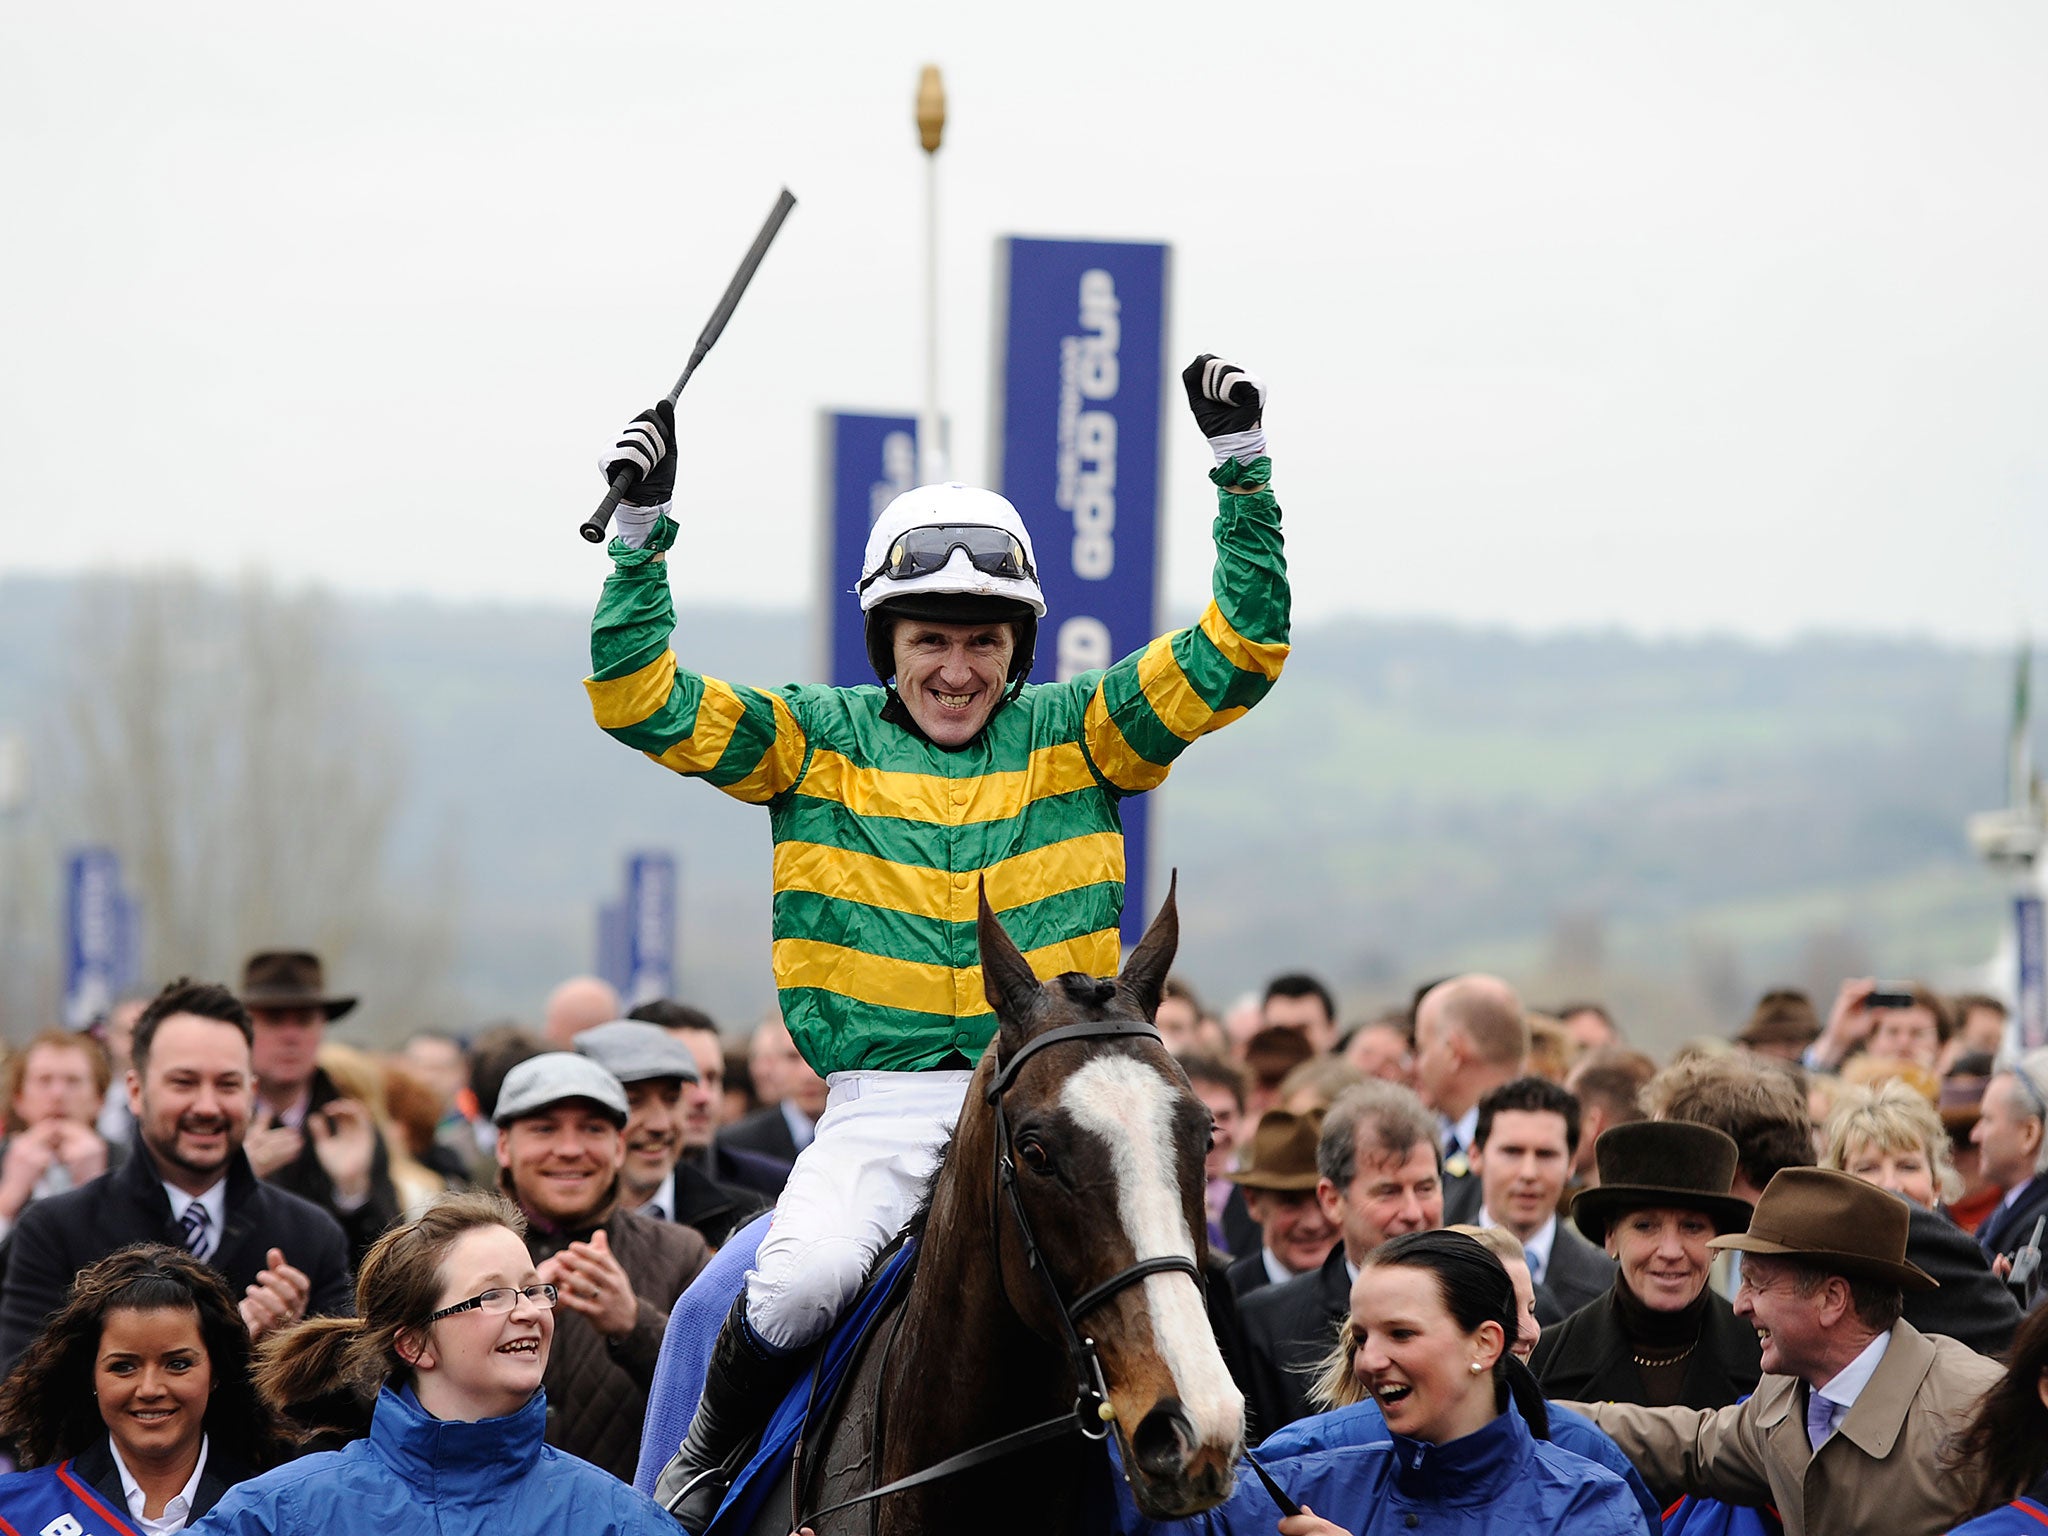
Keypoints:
pixel 1668 317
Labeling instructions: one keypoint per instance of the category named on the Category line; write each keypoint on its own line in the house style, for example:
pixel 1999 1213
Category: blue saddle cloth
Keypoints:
pixel 751 1489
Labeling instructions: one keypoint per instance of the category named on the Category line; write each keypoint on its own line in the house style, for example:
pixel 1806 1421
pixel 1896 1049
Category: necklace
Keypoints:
pixel 1653 1360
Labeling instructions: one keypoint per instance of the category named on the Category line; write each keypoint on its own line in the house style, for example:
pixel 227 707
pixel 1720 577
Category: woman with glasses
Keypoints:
pixel 451 1334
pixel 133 1405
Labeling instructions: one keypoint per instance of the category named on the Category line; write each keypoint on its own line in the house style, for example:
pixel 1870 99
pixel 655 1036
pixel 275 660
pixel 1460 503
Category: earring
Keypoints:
pixel 1477 1367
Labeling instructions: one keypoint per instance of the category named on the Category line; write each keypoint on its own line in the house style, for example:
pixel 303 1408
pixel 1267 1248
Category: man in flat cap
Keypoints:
pixel 655 1068
pixel 304 1135
pixel 1847 1430
pixel 561 1122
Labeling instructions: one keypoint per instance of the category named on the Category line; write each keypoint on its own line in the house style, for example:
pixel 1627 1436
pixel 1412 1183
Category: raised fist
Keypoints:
pixel 1228 403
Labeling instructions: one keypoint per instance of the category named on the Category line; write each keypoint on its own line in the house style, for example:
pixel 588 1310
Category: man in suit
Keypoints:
pixel 792 1098
pixel 1470 1037
pixel 1763 1112
pixel 2011 1135
pixel 656 1069
pixel 304 1135
pixel 1522 1149
pixel 1378 1177
pixel 1848 1428
pixel 1279 1180
pixel 704 1099
pixel 185 1182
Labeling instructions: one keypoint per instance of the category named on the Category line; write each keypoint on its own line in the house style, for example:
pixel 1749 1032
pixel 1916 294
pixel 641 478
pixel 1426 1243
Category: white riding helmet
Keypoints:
pixel 950 554
pixel 942 507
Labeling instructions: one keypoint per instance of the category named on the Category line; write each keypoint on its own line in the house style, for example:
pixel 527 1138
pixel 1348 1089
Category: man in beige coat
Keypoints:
pixel 1848 1430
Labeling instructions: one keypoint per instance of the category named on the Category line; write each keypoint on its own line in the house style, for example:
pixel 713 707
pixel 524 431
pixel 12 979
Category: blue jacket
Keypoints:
pixel 1362 1423
pixel 419 1476
pixel 1501 1481
pixel 2024 1516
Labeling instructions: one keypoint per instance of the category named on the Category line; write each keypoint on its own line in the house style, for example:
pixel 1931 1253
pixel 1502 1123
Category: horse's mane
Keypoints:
pixel 914 1228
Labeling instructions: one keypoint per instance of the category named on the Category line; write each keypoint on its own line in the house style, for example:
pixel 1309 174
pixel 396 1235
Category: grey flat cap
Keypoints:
pixel 548 1079
pixel 634 1052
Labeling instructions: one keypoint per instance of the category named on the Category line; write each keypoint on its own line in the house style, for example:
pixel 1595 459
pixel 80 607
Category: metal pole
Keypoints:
pixel 931 127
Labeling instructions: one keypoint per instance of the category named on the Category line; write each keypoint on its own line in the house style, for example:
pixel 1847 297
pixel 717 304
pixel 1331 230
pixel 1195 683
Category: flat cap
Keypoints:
pixel 634 1052
pixel 547 1079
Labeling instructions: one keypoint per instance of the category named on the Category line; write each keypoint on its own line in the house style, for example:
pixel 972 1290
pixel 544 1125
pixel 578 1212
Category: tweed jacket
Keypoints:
pixel 596 1387
pixel 1880 1471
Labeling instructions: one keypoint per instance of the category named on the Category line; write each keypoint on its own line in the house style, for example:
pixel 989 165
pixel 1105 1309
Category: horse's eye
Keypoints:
pixel 1031 1152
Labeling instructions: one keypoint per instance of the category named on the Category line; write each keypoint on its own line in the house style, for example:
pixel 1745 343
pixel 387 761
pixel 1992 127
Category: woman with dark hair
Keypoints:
pixel 451 1337
pixel 1433 1320
pixel 2006 1445
pixel 134 1404
pixel 1659 1337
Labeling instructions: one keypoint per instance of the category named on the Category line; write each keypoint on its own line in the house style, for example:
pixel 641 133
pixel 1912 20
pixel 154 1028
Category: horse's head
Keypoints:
pixel 1108 1143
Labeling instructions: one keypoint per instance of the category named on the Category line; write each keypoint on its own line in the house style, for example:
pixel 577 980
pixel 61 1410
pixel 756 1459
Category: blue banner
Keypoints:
pixel 650 928
pixel 99 942
pixel 868 462
pixel 1079 387
pixel 2030 1018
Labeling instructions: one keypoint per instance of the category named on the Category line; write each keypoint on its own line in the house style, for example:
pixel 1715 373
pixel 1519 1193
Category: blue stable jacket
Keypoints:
pixel 1500 1481
pixel 417 1475
pixel 1362 1423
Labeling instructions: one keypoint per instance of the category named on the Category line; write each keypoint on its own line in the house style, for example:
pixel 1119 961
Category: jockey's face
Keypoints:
pixel 952 676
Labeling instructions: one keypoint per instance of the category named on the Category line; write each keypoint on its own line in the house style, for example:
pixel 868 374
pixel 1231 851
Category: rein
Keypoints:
pixel 1092 1414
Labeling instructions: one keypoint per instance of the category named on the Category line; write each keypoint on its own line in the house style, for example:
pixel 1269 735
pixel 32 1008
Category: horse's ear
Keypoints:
pixel 1144 973
pixel 1006 976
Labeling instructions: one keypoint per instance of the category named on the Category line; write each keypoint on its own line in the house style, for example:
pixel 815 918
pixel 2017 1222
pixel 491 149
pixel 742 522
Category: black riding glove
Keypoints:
pixel 1227 402
pixel 648 445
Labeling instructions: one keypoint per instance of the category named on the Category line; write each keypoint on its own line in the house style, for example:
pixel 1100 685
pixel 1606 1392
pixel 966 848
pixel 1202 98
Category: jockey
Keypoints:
pixel 891 806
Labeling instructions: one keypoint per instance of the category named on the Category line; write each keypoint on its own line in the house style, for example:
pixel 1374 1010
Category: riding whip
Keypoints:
pixel 628 476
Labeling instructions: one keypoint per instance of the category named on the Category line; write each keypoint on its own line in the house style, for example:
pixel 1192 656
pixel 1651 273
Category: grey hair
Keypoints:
pixel 1390 1114
pixel 2029 1074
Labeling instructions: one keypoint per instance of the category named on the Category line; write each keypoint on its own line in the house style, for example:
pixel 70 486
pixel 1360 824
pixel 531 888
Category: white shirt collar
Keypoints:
pixel 2012 1195
pixel 1848 1383
pixel 665 1197
pixel 215 1200
pixel 803 1130
pixel 1537 1245
pixel 1465 1127
pixel 1276 1272
pixel 177 1510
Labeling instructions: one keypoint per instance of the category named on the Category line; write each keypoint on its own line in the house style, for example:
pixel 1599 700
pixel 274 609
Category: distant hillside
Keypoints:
pixel 1671 824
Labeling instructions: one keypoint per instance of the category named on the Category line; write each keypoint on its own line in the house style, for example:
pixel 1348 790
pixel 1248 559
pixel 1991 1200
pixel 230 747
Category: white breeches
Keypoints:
pixel 848 1195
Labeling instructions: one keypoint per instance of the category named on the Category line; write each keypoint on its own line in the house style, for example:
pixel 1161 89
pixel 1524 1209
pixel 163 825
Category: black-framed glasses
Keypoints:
pixel 921 551
pixel 500 1298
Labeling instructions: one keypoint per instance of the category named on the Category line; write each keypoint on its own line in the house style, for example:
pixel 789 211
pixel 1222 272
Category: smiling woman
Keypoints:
pixel 451 1335
pixel 134 1403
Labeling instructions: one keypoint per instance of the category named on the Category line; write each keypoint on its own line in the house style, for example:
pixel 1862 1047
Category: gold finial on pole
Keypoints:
pixel 931 109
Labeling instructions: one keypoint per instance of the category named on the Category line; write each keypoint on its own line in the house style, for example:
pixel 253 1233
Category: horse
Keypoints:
pixel 1058 1277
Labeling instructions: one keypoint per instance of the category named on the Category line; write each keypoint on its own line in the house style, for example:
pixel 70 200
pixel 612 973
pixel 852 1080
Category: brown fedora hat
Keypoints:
pixel 1835 1222
pixel 1283 1152
pixel 1657 1163
pixel 289 978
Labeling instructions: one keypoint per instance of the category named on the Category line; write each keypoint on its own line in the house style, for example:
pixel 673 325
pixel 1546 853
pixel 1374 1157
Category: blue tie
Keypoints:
pixel 196 1223
pixel 1820 1419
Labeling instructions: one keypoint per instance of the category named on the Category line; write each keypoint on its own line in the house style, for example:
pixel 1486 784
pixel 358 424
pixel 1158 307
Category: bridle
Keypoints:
pixel 1092 1413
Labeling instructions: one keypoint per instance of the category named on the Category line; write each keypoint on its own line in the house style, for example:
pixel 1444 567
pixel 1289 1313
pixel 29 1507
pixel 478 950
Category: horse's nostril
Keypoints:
pixel 1163 1441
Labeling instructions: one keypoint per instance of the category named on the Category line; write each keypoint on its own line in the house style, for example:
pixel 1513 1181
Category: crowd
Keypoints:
pixel 1474 1267
pixel 1783 1279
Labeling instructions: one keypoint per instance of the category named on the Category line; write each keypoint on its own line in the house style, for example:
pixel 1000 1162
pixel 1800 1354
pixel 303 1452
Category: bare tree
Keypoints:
pixel 218 740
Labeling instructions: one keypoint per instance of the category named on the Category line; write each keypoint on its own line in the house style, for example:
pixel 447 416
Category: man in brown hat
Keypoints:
pixel 1279 1182
pixel 304 1136
pixel 1846 1431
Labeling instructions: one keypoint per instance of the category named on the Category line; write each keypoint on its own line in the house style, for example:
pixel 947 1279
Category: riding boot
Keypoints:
pixel 744 1383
